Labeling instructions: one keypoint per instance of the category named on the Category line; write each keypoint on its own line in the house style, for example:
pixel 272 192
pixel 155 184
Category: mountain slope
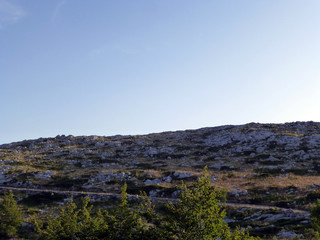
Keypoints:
pixel 91 161
pixel 265 164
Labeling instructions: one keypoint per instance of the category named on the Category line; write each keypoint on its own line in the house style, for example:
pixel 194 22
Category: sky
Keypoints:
pixel 135 67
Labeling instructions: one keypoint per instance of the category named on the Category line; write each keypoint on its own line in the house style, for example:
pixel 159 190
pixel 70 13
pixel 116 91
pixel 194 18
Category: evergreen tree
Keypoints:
pixel 91 227
pixel 10 216
pixel 198 214
pixel 123 223
pixel 151 220
pixel 63 226
pixel 315 218
pixel 72 222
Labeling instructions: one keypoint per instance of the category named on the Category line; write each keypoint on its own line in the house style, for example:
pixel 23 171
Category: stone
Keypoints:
pixel 213 178
pixel 286 235
pixel 154 193
pixel 182 175
pixel 238 193
pixel 216 165
pixel 46 175
pixel 167 179
pixel 151 182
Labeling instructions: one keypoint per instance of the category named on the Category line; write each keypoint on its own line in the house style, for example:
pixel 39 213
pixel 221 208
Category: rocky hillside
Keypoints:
pixel 265 164
pixel 88 162
pixel 288 147
pixel 283 148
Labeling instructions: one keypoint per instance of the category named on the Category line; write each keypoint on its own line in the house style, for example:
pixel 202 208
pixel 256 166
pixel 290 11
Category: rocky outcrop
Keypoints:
pixel 157 163
pixel 220 147
pixel 282 148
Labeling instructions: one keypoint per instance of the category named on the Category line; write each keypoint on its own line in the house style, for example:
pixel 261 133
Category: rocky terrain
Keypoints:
pixel 265 164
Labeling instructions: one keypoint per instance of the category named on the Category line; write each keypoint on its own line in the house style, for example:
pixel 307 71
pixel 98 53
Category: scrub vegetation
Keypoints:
pixel 269 174
pixel 196 214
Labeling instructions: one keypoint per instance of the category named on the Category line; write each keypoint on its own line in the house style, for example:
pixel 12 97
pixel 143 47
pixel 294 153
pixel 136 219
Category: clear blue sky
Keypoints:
pixel 131 67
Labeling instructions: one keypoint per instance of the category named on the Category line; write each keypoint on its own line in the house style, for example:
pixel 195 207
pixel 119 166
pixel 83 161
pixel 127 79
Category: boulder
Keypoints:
pixel 167 179
pixel 287 235
pixel 46 175
pixel 182 175
pixel 151 181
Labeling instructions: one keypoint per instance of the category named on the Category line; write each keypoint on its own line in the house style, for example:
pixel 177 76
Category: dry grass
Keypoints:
pixel 243 180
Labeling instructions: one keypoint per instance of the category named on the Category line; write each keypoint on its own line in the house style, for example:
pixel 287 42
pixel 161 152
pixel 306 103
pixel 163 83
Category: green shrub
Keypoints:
pixel 315 218
pixel 10 216
pixel 198 214
pixel 72 222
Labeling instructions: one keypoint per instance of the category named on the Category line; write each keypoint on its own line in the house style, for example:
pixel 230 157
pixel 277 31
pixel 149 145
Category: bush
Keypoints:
pixel 123 223
pixel 198 214
pixel 315 218
pixel 10 216
pixel 72 222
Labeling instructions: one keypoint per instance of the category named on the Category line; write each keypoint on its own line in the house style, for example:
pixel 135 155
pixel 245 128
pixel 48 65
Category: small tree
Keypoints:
pixel 315 218
pixel 62 226
pixel 151 220
pixel 198 214
pixel 91 227
pixel 72 222
pixel 123 222
pixel 10 216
